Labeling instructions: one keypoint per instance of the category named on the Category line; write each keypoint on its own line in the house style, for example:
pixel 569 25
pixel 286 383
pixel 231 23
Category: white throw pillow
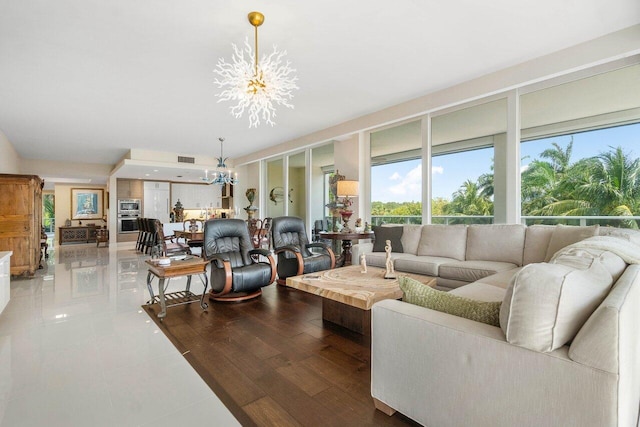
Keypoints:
pixel 546 304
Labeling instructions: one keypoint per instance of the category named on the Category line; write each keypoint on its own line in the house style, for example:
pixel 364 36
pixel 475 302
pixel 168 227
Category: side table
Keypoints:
pixel 347 238
pixel 177 268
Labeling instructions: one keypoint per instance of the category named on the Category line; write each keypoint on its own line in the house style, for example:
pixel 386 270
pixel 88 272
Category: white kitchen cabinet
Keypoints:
pixel 195 196
pixel 156 200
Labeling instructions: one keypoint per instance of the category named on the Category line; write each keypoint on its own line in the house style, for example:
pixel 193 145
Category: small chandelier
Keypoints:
pixel 256 86
pixel 222 175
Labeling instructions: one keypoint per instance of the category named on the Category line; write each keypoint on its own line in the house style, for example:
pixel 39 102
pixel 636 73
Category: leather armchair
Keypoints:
pixel 296 255
pixel 235 274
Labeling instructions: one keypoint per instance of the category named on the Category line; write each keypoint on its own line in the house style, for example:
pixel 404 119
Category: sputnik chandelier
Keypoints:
pixel 222 175
pixel 257 87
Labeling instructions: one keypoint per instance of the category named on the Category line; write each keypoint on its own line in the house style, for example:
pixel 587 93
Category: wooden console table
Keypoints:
pixel 79 234
pixel 345 256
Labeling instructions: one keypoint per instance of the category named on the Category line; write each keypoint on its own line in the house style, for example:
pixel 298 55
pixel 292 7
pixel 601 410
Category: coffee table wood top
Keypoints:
pixel 349 285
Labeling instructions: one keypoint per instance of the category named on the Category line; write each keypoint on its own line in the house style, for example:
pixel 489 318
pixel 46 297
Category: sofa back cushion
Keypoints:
pixel 447 241
pixel 497 242
pixel 565 235
pixel 411 238
pixel 627 234
pixel 546 304
pixel 391 233
pixel 536 242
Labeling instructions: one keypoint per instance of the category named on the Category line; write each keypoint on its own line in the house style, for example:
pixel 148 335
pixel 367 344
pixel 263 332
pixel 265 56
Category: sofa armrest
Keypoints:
pixel 429 365
pixel 359 249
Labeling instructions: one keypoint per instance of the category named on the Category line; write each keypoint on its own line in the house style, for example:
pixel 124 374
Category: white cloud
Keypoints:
pixel 524 168
pixel 410 187
pixel 396 176
pixel 437 170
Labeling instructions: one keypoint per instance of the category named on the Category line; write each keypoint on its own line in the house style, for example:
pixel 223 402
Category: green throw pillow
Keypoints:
pixel 420 294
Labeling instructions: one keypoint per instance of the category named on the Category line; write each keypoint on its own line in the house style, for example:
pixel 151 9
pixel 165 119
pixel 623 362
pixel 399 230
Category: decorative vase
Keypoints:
pixel 346 214
pixel 179 212
pixel 251 195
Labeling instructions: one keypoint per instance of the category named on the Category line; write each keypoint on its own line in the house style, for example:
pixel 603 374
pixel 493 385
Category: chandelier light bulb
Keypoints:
pixel 256 86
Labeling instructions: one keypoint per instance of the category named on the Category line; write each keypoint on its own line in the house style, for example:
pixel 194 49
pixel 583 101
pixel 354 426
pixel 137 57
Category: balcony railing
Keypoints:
pixel 611 221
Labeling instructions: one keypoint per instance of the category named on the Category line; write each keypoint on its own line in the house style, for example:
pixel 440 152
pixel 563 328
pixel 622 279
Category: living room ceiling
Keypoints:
pixel 88 81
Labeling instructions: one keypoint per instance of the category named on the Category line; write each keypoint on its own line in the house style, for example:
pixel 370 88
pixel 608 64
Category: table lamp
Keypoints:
pixel 347 189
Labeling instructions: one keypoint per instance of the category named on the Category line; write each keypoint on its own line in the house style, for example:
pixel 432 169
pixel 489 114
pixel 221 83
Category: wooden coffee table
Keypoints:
pixel 347 294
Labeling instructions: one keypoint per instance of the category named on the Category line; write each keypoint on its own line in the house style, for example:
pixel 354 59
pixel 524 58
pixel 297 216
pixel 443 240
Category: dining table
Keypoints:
pixel 191 238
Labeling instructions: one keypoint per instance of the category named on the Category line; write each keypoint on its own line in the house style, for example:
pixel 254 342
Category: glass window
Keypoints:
pixel 462 191
pixel 584 174
pixel 580 151
pixel 465 182
pixel 396 175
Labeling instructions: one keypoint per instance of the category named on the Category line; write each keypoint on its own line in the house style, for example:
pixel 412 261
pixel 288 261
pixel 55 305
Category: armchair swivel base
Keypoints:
pixel 234 296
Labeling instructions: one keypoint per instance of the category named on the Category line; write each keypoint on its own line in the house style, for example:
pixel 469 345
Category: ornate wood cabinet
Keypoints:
pixel 21 221
pixel 80 234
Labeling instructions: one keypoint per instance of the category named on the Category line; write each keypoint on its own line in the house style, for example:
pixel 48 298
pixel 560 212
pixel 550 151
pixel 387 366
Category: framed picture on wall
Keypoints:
pixel 87 203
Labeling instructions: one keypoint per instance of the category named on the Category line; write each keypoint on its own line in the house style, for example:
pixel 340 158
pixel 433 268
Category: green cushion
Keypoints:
pixel 420 294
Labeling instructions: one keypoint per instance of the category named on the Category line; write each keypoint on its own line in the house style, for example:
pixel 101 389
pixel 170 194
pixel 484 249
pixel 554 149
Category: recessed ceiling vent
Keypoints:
pixel 183 159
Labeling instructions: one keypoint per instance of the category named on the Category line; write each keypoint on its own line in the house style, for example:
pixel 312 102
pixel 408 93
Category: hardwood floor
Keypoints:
pixel 273 362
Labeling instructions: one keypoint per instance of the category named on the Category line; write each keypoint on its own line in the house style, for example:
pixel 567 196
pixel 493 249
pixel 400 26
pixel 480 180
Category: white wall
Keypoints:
pixel 9 159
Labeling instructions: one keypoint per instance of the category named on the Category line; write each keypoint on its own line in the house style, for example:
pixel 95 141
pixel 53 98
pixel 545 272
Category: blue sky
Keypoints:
pixel 401 182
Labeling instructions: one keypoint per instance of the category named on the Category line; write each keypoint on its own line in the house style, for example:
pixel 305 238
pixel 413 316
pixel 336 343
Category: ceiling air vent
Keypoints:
pixel 183 159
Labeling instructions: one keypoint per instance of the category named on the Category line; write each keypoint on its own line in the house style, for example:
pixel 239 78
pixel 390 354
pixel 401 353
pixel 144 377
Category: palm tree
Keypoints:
pixel 542 180
pixel 608 184
pixel 468 200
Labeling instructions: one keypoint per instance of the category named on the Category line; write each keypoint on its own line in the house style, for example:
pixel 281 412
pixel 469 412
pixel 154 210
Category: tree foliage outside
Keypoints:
pixel 552 185
pixel 48 212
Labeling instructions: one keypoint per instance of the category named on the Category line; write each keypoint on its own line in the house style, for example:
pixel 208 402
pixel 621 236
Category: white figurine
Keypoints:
pixel 390 274
pixel 363 263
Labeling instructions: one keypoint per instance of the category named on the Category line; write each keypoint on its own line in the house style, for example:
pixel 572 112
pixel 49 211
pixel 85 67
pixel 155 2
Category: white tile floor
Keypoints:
pixel 76 349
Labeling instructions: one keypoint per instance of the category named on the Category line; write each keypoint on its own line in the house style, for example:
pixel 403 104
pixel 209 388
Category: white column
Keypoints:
pixel 512 157
pixel 425 135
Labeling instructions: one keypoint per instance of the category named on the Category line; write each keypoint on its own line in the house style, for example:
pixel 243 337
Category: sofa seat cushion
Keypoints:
pixel 379 259
pixel 446 302
pixel 501 279
pixel 480 291
pixel 495 242
pixel 546 304
pixel 449 241
pixel 470 271
pixel 428 265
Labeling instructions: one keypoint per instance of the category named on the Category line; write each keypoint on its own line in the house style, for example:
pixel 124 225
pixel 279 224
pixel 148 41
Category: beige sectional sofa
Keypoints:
pixel 567 351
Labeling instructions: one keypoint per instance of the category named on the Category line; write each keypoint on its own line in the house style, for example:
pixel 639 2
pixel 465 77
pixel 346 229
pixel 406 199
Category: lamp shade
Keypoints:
pixel 347 188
